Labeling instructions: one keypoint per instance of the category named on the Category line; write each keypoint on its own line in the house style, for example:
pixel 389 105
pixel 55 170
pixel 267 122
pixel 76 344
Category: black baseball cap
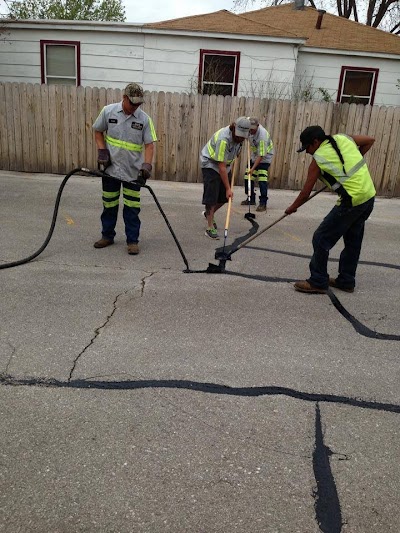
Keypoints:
pixel 308 136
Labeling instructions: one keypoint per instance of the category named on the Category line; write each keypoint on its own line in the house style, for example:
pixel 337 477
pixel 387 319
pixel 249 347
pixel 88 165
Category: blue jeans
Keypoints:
pixel 346 222
pixel 110 214
pixel 263 185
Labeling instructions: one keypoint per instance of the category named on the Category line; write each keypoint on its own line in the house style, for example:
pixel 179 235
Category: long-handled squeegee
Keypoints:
pixel 228 213
pixel 249 215
pixel 224 257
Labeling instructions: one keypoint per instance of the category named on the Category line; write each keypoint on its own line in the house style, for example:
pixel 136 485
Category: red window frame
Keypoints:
pixel 204 52
pixel 375 71
pixel 76 44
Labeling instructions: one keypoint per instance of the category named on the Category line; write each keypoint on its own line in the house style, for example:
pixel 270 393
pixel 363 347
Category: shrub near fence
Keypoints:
pixel 48 128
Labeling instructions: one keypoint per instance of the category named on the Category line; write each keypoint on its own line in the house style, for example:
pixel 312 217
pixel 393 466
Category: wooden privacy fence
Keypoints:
pixel 48 128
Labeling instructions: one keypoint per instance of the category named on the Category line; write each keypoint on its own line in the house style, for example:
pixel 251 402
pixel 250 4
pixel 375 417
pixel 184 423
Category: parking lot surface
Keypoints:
pixel 137 397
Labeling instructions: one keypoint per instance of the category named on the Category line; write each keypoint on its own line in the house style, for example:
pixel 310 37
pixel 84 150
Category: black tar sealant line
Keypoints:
pixel 198 386
pixel 327 505
pixel 232 247
pixel 357 325
pixel 228 249
pixel 331 259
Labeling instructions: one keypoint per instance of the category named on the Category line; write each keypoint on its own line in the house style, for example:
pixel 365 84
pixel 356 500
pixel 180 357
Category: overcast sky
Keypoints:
pixel 156 10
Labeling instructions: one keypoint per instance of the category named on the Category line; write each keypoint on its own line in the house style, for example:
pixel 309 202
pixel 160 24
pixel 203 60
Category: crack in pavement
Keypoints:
pixel 143 282
pixel 105 323
pixel 13 351
pixel 331 259
pixel 327 504
pixel 96 334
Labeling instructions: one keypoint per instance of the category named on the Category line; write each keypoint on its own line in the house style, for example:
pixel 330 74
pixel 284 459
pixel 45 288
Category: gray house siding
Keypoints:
pixel 113 54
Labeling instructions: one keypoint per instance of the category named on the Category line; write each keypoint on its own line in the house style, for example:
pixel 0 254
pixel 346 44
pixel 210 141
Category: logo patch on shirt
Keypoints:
pixel 113 121
pixel 136 126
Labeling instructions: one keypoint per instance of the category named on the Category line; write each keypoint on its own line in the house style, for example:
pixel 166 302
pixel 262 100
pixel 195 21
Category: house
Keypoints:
pixel 338 58
pixel 276 52
pixel 350 61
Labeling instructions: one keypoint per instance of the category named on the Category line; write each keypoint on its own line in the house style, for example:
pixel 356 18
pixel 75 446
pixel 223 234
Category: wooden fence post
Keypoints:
pixel 48 128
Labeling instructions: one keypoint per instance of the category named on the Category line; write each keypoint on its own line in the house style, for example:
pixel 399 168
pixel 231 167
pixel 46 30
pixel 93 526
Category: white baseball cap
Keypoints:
pixel 242 127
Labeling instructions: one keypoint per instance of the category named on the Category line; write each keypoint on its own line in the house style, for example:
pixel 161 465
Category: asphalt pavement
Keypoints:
pixel 138 396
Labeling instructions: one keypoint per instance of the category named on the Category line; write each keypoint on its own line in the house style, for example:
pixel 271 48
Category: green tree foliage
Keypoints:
pixel 101 10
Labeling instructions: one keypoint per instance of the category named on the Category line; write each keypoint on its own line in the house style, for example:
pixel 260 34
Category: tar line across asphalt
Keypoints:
pixel 359 327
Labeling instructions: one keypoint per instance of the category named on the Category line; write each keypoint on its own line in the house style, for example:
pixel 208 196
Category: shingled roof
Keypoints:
pixel 223 21
pixel 335 33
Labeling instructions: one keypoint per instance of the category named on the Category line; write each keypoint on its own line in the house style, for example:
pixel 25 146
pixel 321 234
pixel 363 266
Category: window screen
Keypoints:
pixel 60 63
pixel 218 72
pixel 358 85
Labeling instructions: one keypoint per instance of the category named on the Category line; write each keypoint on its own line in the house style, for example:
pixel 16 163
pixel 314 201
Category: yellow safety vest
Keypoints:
pixel 349 180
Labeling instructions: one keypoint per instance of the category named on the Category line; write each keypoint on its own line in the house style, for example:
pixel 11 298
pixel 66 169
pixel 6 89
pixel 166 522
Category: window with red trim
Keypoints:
pixel 357 85
pixel 219 72
pixel 60 62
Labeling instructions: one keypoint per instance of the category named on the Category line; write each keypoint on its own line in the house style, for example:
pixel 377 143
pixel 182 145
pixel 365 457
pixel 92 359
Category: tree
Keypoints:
pixel 382 14
pixel 101 10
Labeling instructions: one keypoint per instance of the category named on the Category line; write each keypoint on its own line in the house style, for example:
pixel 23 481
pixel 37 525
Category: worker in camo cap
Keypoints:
pixel 124 136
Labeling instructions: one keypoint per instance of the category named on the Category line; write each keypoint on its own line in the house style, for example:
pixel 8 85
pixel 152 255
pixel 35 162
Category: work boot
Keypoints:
pixel 246 202
pixel 333 283
pixel 261 207
pixel 133 248
pixel 102 243
pixel 305 286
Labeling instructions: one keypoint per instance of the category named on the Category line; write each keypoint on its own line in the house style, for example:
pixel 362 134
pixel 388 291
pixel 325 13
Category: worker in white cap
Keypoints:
pixel 216 159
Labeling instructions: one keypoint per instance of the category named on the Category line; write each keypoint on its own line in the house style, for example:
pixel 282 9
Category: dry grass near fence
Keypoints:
pixel 48 128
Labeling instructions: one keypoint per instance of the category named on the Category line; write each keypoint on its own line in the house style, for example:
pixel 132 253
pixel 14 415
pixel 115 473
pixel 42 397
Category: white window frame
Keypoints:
pixel 234 84
pixel 44 44
pixel 369 100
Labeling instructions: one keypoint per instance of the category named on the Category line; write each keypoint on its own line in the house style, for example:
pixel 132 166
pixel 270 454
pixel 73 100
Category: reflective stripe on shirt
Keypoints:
pixel 123 144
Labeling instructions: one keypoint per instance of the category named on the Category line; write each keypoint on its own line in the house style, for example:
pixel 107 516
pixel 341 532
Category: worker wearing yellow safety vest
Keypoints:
pixel 216 159
pixel 262 150
pixel 338 161
pixel 122 133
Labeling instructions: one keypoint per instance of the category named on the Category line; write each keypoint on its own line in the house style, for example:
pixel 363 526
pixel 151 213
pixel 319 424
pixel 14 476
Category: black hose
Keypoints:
pixel 53 223
pixel 169 227
pixel 100 174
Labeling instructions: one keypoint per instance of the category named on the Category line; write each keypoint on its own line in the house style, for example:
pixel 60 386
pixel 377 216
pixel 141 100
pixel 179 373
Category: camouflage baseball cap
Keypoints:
pixel 134 92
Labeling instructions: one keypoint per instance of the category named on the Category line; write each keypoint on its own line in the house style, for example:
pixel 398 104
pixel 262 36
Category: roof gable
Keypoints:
pixel 223 21
pixel 335 32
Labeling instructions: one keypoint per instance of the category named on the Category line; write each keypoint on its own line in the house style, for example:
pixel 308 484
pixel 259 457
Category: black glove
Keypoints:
pixel 103 158
pixel 144 173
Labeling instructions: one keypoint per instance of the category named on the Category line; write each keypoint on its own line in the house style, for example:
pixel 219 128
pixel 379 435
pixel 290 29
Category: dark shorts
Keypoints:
pixel 214 191
pixel 262 166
